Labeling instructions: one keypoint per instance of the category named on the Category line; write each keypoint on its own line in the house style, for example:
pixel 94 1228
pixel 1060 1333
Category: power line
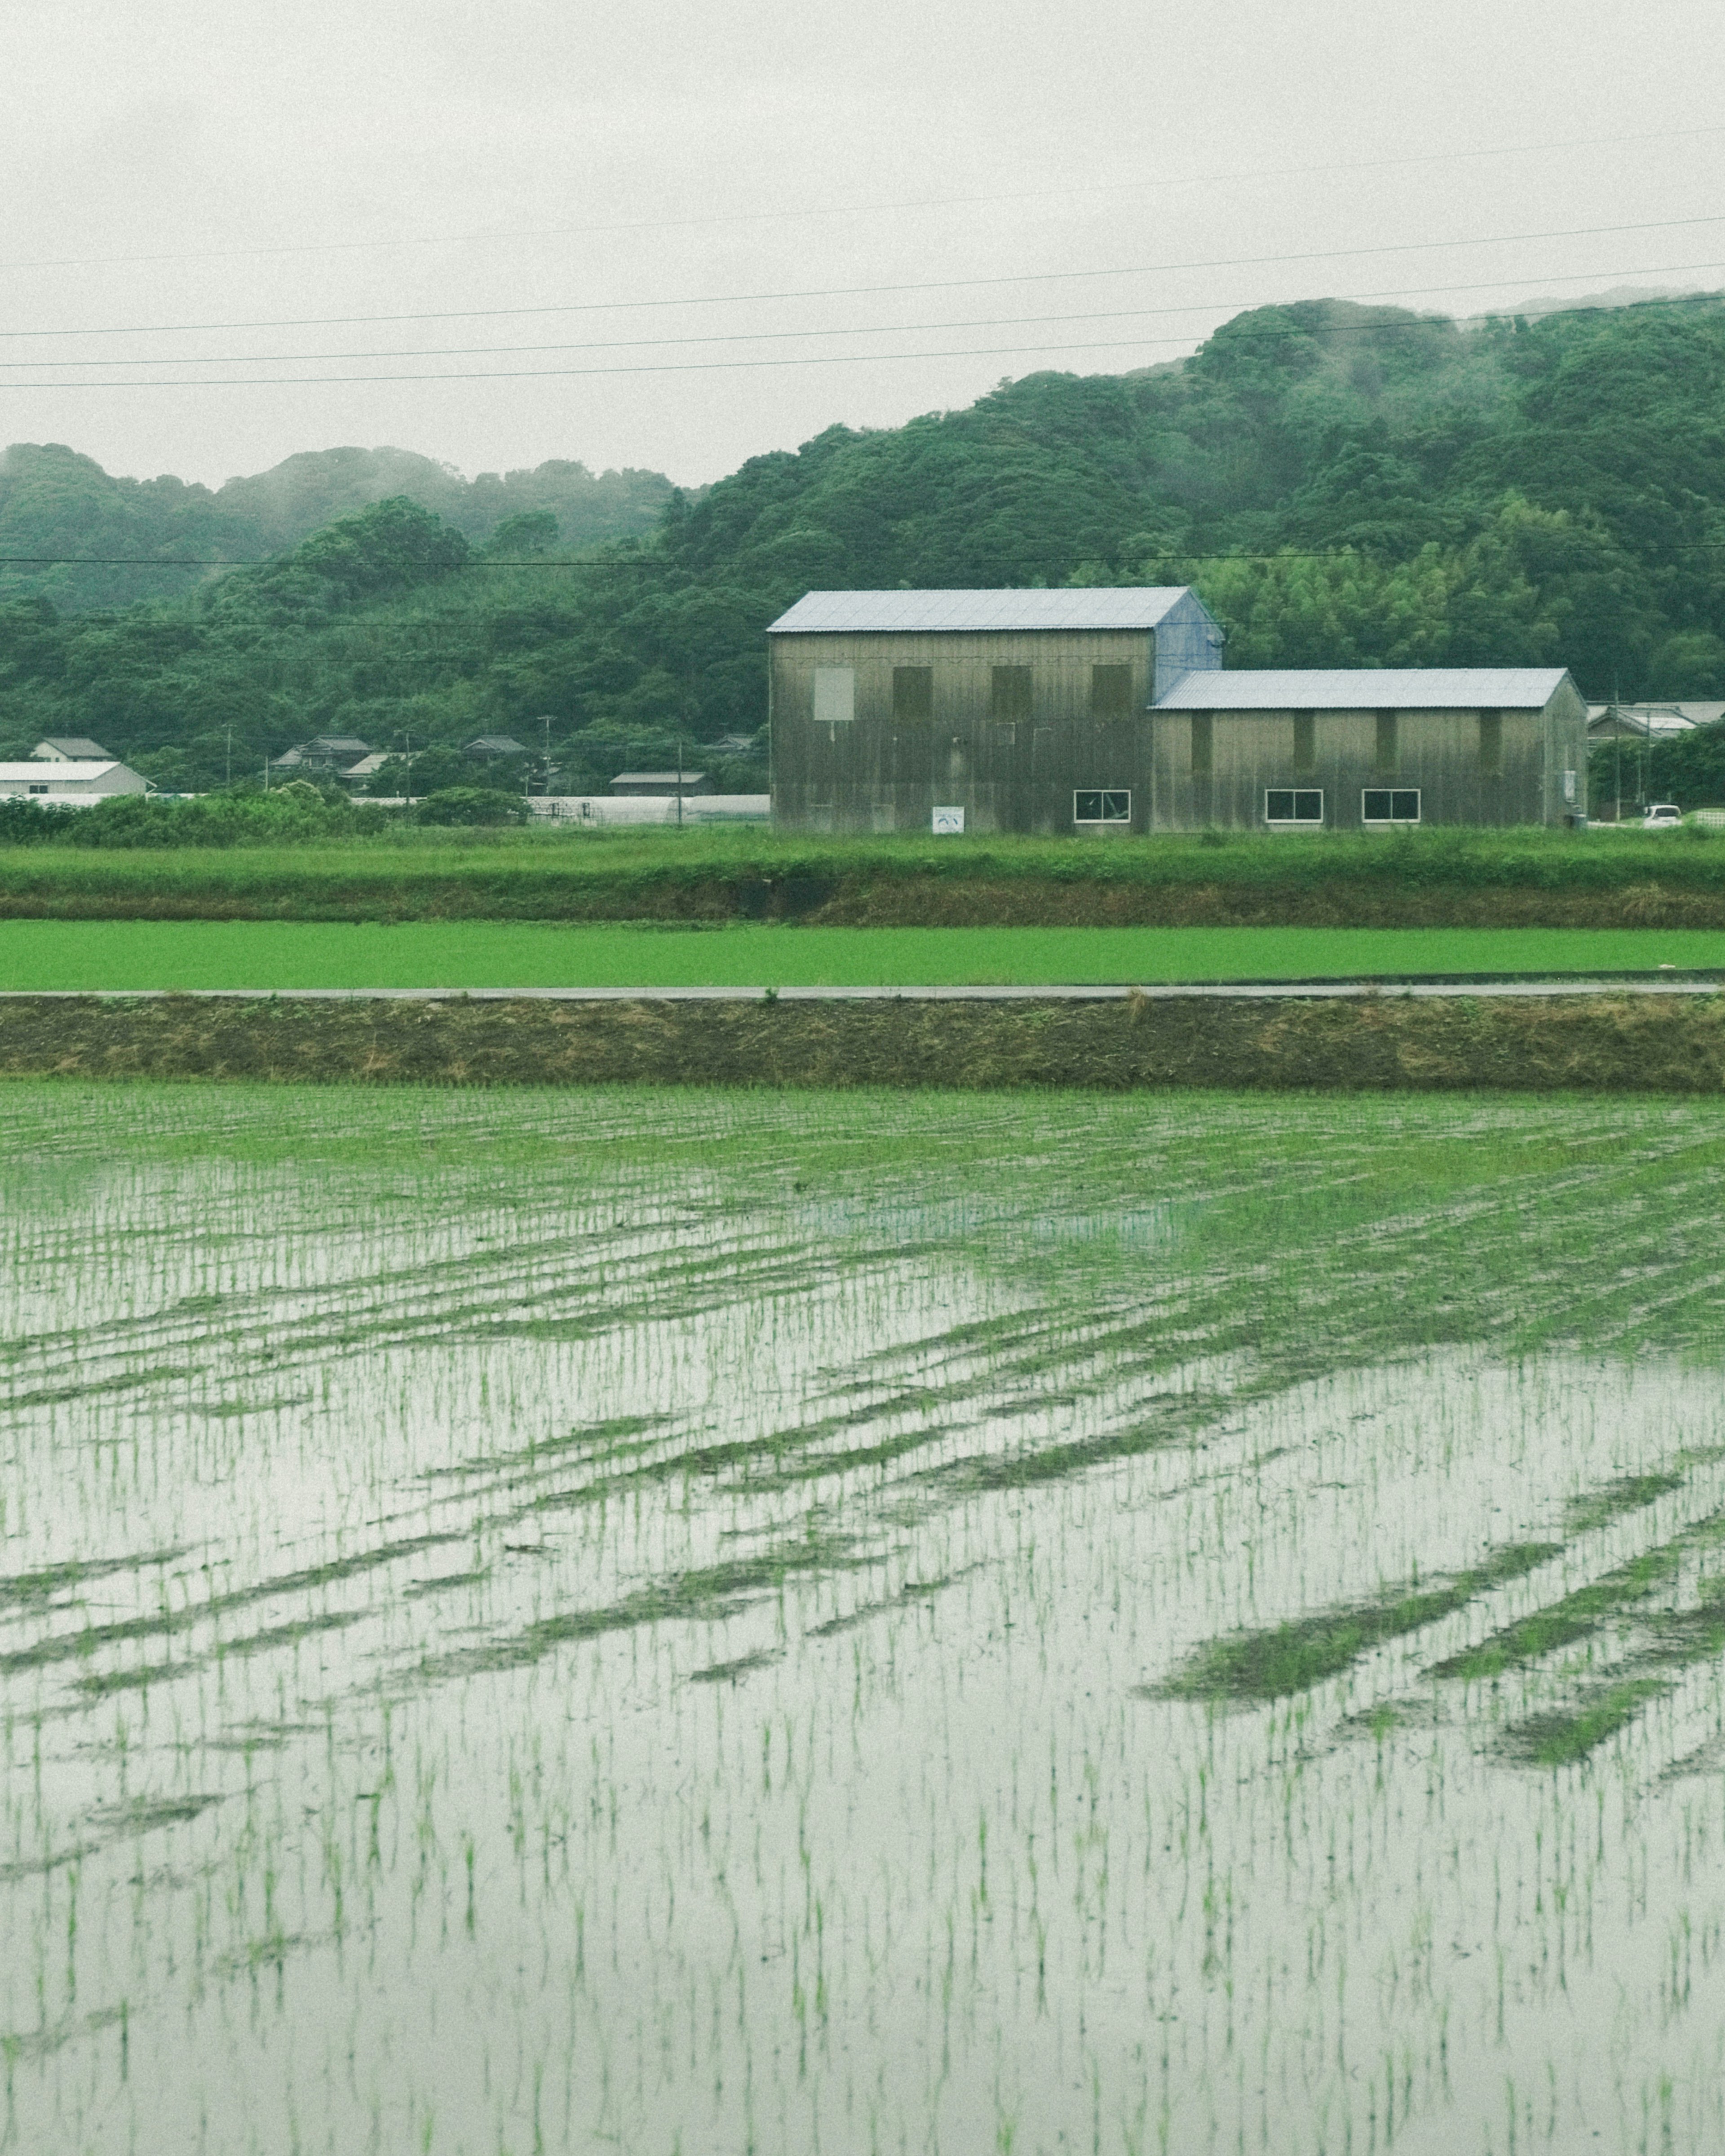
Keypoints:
pixel 273 561
pixel 1591 142
pixel 861 329
pixel 695 365
pixel 857 291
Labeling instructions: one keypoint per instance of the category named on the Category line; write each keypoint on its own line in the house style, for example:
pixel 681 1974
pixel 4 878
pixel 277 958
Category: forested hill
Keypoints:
pixel 54 501
pixel 1345 485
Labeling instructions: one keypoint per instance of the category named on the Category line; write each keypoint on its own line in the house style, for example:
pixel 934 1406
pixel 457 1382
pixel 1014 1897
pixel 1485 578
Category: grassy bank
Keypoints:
pixel 1640 1044
pixel 486 954
pixel 1426 878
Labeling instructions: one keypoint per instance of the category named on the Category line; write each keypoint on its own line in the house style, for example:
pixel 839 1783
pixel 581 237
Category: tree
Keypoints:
pixel 535 532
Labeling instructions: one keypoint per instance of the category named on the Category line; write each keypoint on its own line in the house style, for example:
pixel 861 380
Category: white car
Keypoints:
pixel 1661 816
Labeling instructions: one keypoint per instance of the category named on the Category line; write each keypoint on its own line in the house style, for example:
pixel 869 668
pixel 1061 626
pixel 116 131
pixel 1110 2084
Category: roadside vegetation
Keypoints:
pixel 292 855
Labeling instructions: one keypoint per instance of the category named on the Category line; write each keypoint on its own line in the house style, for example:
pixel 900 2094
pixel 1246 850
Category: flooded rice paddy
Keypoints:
pixel 686 1622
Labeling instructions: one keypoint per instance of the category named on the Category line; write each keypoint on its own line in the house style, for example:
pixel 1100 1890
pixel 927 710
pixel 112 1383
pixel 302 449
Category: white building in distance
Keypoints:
pixel 65 783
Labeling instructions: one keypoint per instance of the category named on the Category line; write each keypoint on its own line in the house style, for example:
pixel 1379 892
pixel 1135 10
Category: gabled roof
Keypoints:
pixel 75 748
pixel 1660 720
pixel 1366 688
pixel 494 745
pixel 42 770
pixel 826 613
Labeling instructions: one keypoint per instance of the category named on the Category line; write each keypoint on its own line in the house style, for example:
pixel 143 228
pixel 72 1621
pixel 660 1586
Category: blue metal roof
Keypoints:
pixel 1368 688
pixel 827 613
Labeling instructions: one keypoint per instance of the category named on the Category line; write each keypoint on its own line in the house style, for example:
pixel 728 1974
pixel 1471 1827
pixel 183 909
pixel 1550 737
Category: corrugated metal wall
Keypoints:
pixel 1437 753
pixel 886 770
pixel 887 767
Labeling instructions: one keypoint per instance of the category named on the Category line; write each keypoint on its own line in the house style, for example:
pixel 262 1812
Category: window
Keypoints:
pixel 38 789
pixel 1491 744
pixel 1387 805
pixel 1010 693
pixel 1111 692
pixel 1100 805
pixel 913 692
pixel 1292 805
pixel 834 695
pixel 1384 758
pixel 1304 744
pixel 1201 740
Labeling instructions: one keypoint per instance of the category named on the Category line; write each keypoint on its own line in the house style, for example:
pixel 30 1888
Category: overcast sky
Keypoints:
pixel 542 182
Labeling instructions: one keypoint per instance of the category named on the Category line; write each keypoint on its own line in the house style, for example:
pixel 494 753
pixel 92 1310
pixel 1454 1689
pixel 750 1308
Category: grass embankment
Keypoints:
pixel 1600 1043
pixel 117 955
pixel 1428 879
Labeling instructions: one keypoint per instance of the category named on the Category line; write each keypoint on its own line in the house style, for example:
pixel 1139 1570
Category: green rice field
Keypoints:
pixel 586 1621
pixel 279 955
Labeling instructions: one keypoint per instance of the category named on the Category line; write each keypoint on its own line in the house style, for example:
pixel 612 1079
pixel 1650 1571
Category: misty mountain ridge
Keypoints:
pixel 55 500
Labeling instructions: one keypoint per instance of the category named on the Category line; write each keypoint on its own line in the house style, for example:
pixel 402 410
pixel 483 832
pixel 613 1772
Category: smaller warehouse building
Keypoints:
pixel 68 783
pixel 1109 711
pixel 1369 748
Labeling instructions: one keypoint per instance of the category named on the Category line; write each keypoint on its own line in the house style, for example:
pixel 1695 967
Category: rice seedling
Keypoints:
pixel 270 955
pixel 581 1619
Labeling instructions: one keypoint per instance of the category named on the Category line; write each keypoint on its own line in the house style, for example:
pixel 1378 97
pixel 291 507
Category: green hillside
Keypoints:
pixel 54 501
pixel 1345 485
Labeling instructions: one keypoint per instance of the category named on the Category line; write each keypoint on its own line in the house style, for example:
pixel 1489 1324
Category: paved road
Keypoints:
pixel 1640 984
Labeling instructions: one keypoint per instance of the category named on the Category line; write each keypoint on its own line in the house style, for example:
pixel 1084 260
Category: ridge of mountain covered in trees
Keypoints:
pixel 54 501
pixel 1344 486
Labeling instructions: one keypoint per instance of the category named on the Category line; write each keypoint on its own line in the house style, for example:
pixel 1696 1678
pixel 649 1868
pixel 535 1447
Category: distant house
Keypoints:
pixel 368 765
pixel 494 748
pixel 1649 721
pixel 70 748
pixel 68 782
pixel 673 783
pixel 327 752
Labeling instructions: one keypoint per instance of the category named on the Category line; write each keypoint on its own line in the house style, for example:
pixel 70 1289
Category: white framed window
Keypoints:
pixel 38 789
pixel 1099 804
pixel 1294 804
pixel 1389 804
pixel 834 695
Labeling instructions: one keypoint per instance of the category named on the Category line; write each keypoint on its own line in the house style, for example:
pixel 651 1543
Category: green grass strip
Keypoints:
pixel 120 955
pixel 1563 1740
pixel 1293 1657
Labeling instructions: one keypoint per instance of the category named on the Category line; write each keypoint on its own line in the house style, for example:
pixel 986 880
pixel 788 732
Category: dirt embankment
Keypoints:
pixel 937 902
pixel 887 901
pixel 1601 1043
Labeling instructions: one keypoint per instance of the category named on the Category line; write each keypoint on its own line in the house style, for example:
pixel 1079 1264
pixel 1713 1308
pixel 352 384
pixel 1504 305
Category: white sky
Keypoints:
pixel 320 160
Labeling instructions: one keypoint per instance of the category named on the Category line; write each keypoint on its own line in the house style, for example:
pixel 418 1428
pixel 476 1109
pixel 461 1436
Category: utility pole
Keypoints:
pixel 680 778
pixel 409 781
pixel 1617 747
pixel 228 781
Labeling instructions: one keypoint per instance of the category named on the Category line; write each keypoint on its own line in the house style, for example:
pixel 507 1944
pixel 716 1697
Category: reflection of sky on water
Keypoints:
pixel 368 1755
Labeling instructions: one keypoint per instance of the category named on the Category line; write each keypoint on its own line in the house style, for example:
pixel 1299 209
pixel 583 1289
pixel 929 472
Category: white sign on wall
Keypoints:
pixel 834 695
pixel 949 820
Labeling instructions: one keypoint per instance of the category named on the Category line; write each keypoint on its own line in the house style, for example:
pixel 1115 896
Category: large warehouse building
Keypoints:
pixel 1109 710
